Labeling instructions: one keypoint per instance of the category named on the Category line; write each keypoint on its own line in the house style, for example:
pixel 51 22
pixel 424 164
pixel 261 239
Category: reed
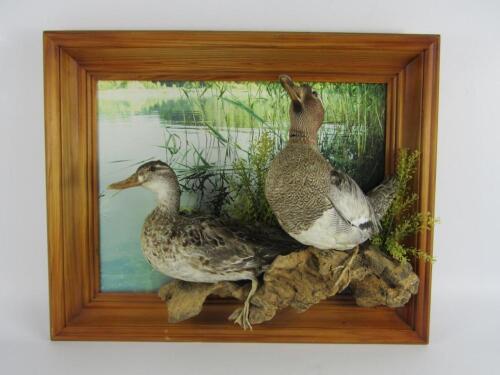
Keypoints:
pixel 215 130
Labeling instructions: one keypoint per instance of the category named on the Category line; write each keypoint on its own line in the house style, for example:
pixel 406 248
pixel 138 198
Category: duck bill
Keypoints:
pixel 129 182
pixel 290 88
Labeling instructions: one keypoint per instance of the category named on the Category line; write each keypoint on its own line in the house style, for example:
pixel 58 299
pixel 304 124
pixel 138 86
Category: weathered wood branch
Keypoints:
pixel 302 279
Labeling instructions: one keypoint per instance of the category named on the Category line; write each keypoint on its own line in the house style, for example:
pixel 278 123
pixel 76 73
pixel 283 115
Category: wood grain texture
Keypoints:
pixel 261 39
pixel 74 61
pixel 93 276
pixel 71 190
pixel 216 60
pixel 53 180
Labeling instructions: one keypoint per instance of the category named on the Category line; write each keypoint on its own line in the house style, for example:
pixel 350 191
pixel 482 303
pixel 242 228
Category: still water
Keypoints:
pixel 125 141
pixel 128 141
pixel 123 267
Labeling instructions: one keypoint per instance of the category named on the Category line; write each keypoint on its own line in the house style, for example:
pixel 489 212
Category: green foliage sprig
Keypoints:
pixel 400 220
pixel 249 204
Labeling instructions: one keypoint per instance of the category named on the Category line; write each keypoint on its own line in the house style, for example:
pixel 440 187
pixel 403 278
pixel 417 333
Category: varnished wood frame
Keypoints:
pixel 74 61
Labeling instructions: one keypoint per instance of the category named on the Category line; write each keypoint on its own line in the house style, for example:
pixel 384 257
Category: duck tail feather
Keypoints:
pixel 382 196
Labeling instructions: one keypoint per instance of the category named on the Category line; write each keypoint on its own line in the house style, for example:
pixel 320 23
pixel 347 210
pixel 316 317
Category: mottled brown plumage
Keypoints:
pixel 313 202
pixel 195 248
pixel 200 249
pixel 296 191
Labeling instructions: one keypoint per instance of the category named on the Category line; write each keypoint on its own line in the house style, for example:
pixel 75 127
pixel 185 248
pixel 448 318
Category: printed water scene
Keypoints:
pixel 219 138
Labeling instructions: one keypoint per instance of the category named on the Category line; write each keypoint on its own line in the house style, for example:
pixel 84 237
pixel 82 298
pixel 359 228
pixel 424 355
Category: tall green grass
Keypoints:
pixel 231 121
pixel 249 204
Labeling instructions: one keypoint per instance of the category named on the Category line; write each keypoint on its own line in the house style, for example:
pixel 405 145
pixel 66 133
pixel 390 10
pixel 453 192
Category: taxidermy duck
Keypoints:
pixel 315 203
pixel 196 249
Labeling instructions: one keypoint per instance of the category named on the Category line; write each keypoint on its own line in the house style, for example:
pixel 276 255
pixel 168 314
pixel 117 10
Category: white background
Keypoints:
pixel 466 292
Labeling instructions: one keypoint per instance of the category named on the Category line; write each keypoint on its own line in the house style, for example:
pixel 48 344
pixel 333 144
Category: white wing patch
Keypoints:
pixel 360 221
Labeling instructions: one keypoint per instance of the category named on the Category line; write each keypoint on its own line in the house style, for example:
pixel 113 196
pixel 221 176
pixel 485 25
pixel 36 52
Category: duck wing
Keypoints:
pixel 267 241
pixel 350 202
pixel 216 248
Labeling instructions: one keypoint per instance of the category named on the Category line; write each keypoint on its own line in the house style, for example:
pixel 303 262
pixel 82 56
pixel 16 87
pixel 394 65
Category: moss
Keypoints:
pixel 401 221
pixel 249 204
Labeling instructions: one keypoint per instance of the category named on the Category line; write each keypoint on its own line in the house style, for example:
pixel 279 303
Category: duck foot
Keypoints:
pixel 241 315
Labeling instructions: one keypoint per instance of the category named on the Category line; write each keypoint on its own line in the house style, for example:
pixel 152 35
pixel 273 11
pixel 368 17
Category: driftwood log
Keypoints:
pixel 302 279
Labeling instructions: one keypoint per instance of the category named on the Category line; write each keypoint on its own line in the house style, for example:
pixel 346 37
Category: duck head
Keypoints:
pixel 157 177
pixel 306 111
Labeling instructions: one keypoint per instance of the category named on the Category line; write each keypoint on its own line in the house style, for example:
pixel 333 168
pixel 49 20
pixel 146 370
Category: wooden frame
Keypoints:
pixel 74 61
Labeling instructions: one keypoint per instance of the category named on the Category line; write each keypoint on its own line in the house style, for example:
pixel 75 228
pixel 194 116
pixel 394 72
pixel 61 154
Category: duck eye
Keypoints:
pixel 315 93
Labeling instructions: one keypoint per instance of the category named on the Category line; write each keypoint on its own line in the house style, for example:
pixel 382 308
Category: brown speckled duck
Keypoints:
pixel 196 249
pixel 314 203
